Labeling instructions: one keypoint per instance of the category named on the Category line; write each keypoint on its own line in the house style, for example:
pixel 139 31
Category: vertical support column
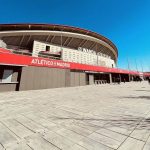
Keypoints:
pixel 129 77
pixel 110 78
pixel 91 79
pixel 120 78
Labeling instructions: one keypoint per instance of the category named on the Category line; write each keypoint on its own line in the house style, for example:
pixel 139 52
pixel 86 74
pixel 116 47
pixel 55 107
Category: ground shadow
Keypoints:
pixel 137 97
pixel 126 121
pixel 143 90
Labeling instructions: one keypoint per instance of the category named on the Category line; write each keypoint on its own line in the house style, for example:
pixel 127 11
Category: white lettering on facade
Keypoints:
pixel 43 62
pixel 86 50
pixel 92 52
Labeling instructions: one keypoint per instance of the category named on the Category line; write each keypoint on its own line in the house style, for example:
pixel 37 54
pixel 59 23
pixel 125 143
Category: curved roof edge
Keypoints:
pixel 57 27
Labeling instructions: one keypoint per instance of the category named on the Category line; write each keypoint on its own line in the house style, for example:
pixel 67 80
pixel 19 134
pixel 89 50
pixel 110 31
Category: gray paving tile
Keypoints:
pixel 6 137
pixel 60 141
pixel 92 145
pixel 147 145
pixel 76 147
pixel 35 127
pixel 131 144
pixel 19 146
pixel 1 147
pixel 75 137
pixel 38 143
pixel 41 121
pixel 78 129
pixel 112 134
pixel 17 128
pixel 142 131
pixel 119 129
pixel 105 140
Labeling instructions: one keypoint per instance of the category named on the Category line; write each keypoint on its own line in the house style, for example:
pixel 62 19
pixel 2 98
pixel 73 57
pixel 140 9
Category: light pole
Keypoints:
pixel 128 64
pixel 130 78
pixel 136 65
pixel 142 66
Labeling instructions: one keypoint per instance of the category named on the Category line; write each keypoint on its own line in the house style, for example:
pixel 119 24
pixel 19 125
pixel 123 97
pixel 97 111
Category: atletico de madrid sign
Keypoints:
pixel 49 63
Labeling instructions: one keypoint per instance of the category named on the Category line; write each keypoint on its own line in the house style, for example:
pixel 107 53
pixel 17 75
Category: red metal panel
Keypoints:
pixel 15 59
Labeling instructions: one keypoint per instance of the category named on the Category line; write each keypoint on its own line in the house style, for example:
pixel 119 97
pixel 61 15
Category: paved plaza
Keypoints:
pixel 95 117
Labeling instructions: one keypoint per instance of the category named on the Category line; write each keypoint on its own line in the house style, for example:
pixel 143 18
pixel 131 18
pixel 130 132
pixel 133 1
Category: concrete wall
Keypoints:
pixel 13 84
pixel 91 79
pixel 33 78
pixel 7 87
pixel 77 79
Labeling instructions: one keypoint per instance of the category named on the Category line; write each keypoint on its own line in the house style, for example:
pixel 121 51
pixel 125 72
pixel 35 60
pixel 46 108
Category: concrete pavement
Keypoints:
pixel 96 117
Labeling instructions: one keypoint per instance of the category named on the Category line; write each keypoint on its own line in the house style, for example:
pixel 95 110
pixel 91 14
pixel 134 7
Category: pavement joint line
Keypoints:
pixel 106 136
pixel 80 145
pixel 69 111
pixel 50 143
pixel 146 141
pixel 58 134
pixel 11 130
pixel 37 122
pixel 101 143
pixel 134 130
pixel 25 126
pixel 78 134
pixel 2 145
pixel 30 146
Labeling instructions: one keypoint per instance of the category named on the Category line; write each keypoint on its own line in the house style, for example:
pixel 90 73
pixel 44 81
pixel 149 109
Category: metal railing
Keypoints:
pixel 28 53
pixel 100 81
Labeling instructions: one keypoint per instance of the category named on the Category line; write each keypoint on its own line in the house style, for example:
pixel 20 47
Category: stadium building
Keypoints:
pixel 40 56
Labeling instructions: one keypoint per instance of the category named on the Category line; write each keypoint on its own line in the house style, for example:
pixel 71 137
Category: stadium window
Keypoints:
pixel 7 75
pixel 47 48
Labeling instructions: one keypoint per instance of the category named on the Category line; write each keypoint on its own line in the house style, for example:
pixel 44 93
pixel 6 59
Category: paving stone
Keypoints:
pixel 38 143
pixel 6 137
pixel 41 121
pixel 92 145
pixel 19 146
pixel 87 125
pixel 30 124
pixel 105 140
pixel 132 144
pixel 17 128
pixel 60 141
pixel 70 134
pixel 147 145
pixel 1 147
pixel 78 129
pixel 119 129
pixel 141 132
pixel 111 134
pixel 76 147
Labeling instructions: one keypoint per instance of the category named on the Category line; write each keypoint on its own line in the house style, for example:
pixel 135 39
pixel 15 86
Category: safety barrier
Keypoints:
pixel 100 81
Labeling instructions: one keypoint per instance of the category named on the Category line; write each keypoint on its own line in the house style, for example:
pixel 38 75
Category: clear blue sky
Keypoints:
pixel 125 22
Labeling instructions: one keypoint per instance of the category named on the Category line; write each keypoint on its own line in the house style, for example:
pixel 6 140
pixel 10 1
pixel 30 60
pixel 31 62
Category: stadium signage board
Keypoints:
pixel 92 52
pixel 51 63
pixel 86 50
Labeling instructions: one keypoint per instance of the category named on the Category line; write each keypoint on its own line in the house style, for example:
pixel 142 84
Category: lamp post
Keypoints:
pixel 130 79
pixel 136 65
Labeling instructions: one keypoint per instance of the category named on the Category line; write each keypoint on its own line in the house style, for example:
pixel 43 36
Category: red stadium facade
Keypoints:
pixel 49 56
